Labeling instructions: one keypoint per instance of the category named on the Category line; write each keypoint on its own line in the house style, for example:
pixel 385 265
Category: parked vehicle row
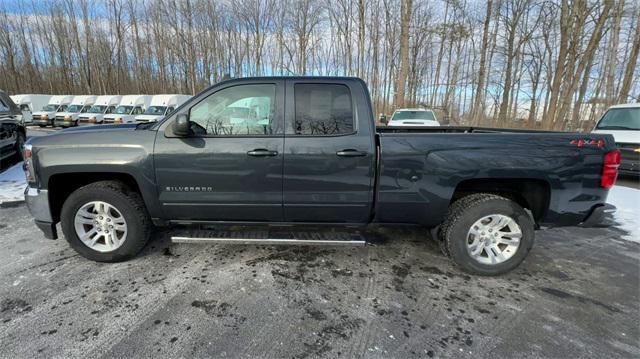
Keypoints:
pixel 69 111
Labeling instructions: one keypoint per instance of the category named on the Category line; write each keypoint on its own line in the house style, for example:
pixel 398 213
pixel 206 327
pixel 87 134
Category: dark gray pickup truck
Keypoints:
pixel 305 150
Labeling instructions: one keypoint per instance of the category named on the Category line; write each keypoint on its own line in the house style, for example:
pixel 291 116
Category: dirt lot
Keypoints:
pixel 576 296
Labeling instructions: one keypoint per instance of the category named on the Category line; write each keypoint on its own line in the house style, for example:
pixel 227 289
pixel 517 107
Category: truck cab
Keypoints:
pixel 46 116
pixel 79 105
pixel 103 105
pixel 129 107
pixel 161 105
pixel 623 123
pixel 413 117
pixel 29 104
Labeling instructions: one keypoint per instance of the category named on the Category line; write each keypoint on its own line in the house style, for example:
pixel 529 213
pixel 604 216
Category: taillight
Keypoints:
pixel 610 169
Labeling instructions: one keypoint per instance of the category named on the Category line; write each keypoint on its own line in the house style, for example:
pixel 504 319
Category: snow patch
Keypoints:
pixel 627 215
pixel 12 184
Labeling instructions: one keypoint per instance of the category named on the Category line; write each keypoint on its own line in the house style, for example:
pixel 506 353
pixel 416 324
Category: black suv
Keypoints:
pixel 12 132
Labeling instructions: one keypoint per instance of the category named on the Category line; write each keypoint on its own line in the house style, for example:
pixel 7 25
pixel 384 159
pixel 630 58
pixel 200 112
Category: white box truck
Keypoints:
pixel 30 103
pixel 104 105
pixel 58 103
pixel 130 106
pixel 79 105
pixel 161 105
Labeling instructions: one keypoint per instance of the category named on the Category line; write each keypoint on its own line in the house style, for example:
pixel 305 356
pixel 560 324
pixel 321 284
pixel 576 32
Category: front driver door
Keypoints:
pixel 230 167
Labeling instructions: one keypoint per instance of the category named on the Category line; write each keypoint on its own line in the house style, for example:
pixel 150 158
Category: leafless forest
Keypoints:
pixel 552 64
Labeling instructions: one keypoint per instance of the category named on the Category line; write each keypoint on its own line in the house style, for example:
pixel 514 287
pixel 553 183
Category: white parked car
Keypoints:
pixel 79 105
pixel 413 117
pixel 161 105
pixel 623 122
pixel 130 106
pixel 104 105
pixel 56 104
pixel 30 103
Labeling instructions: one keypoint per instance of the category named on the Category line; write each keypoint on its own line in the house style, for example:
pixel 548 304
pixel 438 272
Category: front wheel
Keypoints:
pixel 105 221
pixel 487 234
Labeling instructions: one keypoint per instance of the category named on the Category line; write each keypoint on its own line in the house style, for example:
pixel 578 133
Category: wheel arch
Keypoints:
pixel 61 185
pixel 531 194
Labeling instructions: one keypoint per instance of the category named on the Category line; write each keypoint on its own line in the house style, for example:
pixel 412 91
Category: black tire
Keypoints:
pixel 130 205
pixel 464 213
pixel 42 126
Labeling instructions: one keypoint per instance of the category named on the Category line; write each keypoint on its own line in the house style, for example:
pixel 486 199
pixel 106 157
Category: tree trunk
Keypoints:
pixel 401 79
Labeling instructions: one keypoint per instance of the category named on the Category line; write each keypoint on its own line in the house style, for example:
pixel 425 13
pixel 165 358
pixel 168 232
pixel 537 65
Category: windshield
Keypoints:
pixel 124 110
pixel 50 107
pixel 625 119
pixel 97 109
pixel 413 115
pixel 74 108
pixel 155 110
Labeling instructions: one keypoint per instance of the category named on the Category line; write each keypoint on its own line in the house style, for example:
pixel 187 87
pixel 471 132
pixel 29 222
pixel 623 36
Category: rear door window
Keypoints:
pixel 323 109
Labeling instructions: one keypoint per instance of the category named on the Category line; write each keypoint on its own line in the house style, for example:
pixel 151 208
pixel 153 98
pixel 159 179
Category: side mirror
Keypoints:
pixel 383 119
pixel 181 126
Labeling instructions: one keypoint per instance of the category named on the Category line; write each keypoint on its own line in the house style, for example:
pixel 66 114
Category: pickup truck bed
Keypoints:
pixel 423 168
pixel 301 150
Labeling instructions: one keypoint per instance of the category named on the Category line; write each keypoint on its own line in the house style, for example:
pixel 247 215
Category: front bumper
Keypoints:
pixel 62 123
pixel 39 121
pixel 629 164
pixel 598 215
pixel 38 204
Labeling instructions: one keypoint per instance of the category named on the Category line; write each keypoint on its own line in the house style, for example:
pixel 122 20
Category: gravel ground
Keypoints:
pixel 577 295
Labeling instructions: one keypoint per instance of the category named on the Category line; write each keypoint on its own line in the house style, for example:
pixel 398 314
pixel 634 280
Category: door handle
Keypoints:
pixel 262 152
pixel 351 153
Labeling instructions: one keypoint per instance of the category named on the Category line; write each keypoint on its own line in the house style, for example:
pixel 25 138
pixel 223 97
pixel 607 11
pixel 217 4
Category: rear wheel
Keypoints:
pixel 487 234
pixel 105 221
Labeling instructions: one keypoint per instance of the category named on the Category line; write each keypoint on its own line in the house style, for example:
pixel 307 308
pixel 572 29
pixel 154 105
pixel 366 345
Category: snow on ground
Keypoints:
pixel 627 215
pixel 12 184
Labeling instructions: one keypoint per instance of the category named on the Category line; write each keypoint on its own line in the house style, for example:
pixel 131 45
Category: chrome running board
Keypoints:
pixel 269 241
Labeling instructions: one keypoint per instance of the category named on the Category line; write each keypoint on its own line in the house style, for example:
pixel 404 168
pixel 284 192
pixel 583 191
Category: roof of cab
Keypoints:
pixel 627 105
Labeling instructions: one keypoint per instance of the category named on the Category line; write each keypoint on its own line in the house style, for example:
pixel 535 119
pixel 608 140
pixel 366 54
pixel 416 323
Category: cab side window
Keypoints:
pixel 242 110
pixel 137 111
pixel 110 109
pixel 322 109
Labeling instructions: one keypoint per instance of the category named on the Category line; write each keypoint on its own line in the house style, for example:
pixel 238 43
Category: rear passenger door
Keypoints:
pixel 329 160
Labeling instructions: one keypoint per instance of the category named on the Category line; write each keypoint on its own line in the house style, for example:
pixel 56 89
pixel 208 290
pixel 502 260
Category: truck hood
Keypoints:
pixel 149 117
pixel 89 115
pixel 621 136
pixel 416 122
pixel 100 128
pixel 40 113
pixel 62 114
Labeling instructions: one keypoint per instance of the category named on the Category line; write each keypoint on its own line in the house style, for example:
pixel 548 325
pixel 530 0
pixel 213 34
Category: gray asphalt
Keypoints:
pixel 575 296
